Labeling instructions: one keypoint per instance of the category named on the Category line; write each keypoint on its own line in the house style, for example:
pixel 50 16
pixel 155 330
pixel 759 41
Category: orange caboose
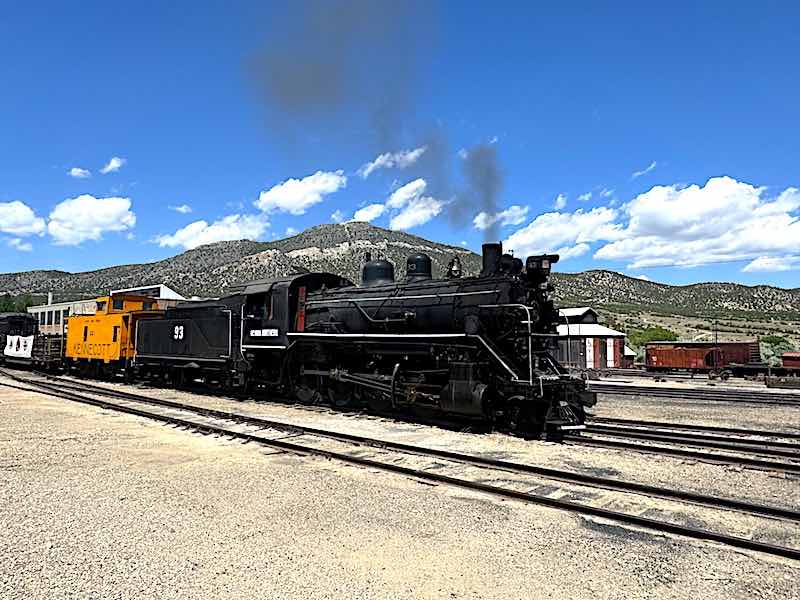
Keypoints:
pixel 103 343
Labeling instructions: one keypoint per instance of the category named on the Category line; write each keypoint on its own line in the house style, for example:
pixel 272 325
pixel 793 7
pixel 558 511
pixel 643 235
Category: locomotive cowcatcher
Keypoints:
pixel 473 347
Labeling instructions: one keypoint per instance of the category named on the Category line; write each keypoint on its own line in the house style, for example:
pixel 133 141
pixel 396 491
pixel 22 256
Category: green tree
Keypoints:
pixel 773 347
pixel 639 337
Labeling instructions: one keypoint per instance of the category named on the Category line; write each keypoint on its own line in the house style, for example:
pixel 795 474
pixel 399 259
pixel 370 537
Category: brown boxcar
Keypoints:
pixel 791 360
pixel 700 357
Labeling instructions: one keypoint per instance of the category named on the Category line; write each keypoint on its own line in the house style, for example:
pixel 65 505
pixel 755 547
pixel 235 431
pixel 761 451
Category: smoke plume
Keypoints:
pixel 348 71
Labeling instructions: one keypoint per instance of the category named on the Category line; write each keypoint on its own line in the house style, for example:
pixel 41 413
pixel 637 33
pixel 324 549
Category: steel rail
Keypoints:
pixel 765 447
pixel 716 458
pixel 728 395
pixel 723 459
pixel 565 476
pixel 693 427
pixel 584 509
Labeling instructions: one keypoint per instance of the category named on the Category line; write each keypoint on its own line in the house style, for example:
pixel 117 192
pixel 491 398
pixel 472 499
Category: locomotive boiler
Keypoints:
pixel 476 347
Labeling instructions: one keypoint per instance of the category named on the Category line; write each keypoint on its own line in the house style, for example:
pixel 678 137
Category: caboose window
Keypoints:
pixel 85 332
pixel 114 333
pixel 117 303
pixel 101 306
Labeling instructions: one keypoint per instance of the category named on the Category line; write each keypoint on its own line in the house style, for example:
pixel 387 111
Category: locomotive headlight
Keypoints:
pixel 545 263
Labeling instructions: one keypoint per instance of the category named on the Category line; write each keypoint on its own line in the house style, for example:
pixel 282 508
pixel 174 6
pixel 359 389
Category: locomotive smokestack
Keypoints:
pixel 491 258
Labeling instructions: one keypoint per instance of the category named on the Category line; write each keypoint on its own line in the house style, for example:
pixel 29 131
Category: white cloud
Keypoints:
pixel 291 231
pixel 464 243
pixel 231 227
pixel 773 263
pixel 113 165
pixel 17 218
pixel 388 160
pixel 560 202
pixel 724 220
pixel 513 215
pixel 296 196
pixel 184 209
pixel 606 193
pixel 418 212
pixel 402 195
pixel 79 173
pixel 642 277
pixel 369 213
pixel 585 197
pixel 644 171
pixel 569 234
pixel 20 245
pixel 86 218
pixel 337 216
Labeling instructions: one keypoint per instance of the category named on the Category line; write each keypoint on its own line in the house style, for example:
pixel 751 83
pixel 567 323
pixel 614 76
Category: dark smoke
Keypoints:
pixel 342 66
pixel 485 181
pixel 349 70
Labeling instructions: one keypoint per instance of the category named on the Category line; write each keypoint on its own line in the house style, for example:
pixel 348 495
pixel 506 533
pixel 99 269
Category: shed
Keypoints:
pixel 590 345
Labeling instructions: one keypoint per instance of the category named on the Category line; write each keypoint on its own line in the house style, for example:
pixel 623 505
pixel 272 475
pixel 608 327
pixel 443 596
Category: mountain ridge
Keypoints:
pixel 211 269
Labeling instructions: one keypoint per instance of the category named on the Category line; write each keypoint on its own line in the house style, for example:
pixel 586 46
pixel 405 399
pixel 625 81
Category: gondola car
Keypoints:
pixel 17 334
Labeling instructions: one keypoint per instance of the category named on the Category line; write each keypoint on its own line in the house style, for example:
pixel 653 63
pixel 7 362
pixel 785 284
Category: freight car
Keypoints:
pixel 17 334
pixel 713 358
pixel 474 347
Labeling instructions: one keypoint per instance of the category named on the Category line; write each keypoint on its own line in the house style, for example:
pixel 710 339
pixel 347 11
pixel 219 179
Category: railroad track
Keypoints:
pixel 794 435
pixel 748 445
pixel 508 479
pixel 708 395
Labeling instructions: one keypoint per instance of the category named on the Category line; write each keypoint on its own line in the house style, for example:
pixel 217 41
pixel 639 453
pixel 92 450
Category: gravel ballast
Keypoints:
pixel 96 504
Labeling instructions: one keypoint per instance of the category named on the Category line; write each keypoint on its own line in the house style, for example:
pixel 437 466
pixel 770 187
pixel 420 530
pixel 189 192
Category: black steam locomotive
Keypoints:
pixel 473 347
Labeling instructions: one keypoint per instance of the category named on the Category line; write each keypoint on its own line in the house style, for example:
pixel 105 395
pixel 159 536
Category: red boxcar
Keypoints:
pixel 791 360
pixel 699 356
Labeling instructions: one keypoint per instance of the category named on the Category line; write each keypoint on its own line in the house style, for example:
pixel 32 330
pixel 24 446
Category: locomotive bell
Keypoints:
pixel 418 267
pixel 377 272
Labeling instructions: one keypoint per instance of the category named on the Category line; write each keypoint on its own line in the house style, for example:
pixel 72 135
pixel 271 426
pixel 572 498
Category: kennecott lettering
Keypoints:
pixel 87 349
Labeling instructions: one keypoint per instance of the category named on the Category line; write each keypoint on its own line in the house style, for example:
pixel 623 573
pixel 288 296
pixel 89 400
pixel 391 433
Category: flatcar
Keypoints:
pixel 474 347
pixel 17 335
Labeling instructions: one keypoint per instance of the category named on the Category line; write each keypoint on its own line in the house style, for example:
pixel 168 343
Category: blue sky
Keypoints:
pixel 658 141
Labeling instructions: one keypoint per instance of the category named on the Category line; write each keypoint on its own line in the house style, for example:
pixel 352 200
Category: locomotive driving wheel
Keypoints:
pixel 307 391
pixel 341 395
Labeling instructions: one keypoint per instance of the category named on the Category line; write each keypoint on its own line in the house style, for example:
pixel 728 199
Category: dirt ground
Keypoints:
pixel 95 505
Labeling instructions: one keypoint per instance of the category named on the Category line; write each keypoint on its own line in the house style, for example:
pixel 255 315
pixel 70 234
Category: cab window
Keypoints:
pixel 259 306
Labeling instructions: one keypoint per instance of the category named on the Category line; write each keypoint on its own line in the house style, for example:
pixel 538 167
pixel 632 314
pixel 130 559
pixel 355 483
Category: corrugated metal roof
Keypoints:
pixel 587 330
pixel 628 352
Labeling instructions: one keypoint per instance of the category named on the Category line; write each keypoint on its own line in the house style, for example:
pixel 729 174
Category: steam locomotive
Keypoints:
pixel 472 347
pixel 476 348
